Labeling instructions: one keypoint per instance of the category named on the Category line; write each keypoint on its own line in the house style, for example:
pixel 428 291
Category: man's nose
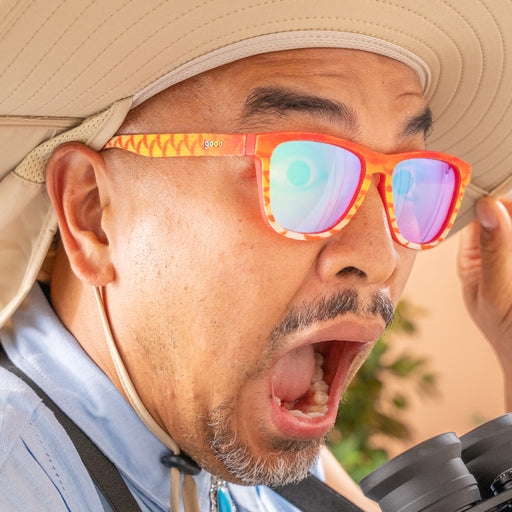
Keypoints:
pixel 364 247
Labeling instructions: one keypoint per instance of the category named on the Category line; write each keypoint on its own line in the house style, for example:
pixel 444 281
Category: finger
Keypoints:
pixel 469 246
pixel 468 254
pixel 469 265
pixel 507 203
pixel 495 241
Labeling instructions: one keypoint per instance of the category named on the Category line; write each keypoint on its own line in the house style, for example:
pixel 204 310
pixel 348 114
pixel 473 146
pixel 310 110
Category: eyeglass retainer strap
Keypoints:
pixel 182 462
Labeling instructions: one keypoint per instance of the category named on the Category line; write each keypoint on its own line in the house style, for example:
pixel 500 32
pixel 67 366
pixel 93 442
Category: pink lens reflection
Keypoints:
pixel 423 191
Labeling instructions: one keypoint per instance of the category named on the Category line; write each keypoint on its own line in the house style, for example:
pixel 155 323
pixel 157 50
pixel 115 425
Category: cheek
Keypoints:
pixel 407 259
pixel 201 266
pixel 199 245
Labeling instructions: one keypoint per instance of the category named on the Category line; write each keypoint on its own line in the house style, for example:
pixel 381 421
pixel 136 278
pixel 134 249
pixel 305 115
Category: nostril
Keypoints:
pixel 351 271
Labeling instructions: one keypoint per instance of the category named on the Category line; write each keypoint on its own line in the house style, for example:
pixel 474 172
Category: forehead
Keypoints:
pixel 218 96
pixel 339 64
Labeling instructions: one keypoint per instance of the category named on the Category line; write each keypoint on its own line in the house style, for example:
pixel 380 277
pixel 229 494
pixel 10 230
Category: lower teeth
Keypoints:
pixel 314 411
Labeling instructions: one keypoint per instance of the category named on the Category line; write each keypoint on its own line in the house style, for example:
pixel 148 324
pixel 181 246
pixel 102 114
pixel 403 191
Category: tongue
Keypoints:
pixel 291 375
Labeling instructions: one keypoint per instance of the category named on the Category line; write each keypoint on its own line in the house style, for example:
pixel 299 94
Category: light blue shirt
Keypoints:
pixel 40 469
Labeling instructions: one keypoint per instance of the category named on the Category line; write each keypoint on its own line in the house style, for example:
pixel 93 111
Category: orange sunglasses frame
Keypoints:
pixel 261 145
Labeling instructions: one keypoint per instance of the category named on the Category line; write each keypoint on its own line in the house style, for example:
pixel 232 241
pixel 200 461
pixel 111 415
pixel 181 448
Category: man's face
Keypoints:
pixel 224 324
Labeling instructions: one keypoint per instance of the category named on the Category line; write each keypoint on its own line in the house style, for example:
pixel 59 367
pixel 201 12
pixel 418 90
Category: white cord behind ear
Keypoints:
pixel 190 499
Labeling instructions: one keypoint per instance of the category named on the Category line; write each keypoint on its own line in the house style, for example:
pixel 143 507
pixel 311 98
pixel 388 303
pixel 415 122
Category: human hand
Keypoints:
pixel 485 269
pixel 337 478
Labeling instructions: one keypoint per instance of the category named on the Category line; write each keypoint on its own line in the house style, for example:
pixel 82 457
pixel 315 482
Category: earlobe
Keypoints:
pixel 74 177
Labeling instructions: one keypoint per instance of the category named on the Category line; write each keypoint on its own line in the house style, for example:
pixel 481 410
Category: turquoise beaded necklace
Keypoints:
pixel 220 499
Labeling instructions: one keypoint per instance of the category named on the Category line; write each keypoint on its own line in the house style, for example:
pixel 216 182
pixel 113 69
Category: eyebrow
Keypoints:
pixel 277 102
pixel 421 123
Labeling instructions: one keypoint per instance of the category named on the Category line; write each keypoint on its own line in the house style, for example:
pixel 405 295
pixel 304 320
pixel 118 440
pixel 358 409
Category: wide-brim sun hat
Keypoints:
pixel 72 69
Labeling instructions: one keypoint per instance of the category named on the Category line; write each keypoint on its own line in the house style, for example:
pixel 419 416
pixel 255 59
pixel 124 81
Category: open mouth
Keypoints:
pixel 307 384
pixel 313 404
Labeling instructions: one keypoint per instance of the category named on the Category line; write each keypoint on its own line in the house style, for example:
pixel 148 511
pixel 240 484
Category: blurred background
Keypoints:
pixel 433 372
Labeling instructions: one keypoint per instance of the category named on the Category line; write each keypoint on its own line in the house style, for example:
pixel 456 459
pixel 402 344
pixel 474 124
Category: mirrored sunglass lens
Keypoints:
pixel 423 191
pixel 312 185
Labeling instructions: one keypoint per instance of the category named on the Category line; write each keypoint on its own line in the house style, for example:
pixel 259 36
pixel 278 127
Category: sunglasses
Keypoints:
pixel 311 185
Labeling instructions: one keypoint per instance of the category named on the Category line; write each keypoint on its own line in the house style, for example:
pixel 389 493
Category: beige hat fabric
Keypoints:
pixel 66 61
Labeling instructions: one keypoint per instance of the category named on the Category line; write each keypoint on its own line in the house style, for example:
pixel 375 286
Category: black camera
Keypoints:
pixel 448 474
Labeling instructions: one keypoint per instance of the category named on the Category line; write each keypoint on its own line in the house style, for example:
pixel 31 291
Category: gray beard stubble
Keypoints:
pixel 288 461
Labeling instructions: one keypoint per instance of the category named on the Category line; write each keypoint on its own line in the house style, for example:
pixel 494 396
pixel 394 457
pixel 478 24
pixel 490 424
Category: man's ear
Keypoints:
pixel 74 175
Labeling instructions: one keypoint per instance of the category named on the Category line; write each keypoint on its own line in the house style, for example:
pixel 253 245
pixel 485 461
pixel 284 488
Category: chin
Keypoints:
pixel 276 461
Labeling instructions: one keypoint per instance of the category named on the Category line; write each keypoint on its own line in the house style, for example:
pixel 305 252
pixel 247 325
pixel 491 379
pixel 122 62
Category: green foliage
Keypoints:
pixel 369 409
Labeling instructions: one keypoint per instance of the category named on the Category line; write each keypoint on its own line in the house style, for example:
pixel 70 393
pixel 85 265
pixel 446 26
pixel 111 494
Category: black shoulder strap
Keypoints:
pixel 102 471
pixel 312 495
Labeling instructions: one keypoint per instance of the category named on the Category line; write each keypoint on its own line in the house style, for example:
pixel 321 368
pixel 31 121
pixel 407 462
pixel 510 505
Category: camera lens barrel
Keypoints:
pixel 487 453
pixel 448 474
pixel 430 477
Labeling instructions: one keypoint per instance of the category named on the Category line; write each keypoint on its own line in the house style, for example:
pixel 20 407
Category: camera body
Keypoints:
pixel 449 474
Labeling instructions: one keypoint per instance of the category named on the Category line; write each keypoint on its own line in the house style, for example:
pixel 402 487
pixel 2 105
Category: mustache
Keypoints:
pixel 332 307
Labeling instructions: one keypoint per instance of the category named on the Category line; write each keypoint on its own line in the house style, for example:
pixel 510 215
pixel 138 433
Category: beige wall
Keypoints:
pixel 469 377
